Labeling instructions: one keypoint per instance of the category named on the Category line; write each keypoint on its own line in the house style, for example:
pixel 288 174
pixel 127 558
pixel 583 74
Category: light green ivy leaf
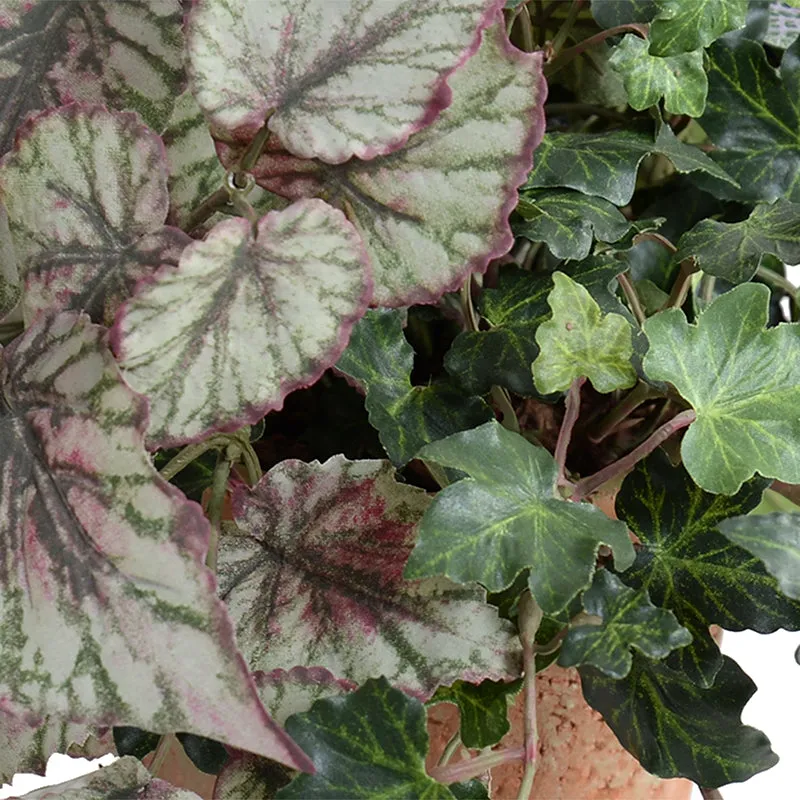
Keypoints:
pixel 685 25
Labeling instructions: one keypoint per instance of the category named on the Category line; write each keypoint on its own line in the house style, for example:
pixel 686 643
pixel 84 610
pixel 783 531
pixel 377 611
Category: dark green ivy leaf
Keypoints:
pixel 131 741
pixel 379 359
pixel 753 116
pixel 687 566
pixel 627 619
pixel 684 25
pixel 734 250
pixel 469 790
pixel 676 729
pixel 506 516
pixel 206 754
pixel 610 13
pixel 368 744
pixel 483 709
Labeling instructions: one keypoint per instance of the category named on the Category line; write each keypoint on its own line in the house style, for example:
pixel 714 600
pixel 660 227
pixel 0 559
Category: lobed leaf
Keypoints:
pixel 627 619
pixel 506 516
pixel 580 341
pixel 127 56
pixel 743 382
pixel 108 614
pixel 380 360
pixel 248 316
pixel 86 194
pixel 685 25
pixel 312 574
pixel 675 729
pixel 356 77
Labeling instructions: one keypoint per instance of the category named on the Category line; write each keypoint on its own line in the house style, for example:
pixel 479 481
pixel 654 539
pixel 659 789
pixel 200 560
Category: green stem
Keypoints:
pixel 565 56
pixel 530 617
pixel 592 483
pixel 572 410
pixel 566 27
pixel 219 484
pixel 185 457
pixel 632 296
pixel 251 463
pixel 638 395
pixel 450 749
pixel 779 281
pixel 524 18
pixel 254 150
pixel 213 203
pixel 503 403
pixel 473 767
pixel 677 297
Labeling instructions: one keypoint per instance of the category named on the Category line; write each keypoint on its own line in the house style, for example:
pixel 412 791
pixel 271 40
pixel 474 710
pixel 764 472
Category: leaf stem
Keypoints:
pixel 566 27
pixel 652 236
pixel 473 767
pixel 219 484
pixel 565 56
pixel 677 297
pixel 503 403
pixel 450 749
pixel 592 483
pixel 572 410
pixel 530 617
pixel 213 203
pixel 256 146
pixel 632 296
pixel 710 794
pixel 524 18
pixel 638 395
pixel 185 457
pixel 779 281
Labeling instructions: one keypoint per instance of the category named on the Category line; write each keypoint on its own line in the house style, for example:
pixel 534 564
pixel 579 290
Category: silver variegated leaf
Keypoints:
pixel 312 573
pixel 107 613
pixel 245 319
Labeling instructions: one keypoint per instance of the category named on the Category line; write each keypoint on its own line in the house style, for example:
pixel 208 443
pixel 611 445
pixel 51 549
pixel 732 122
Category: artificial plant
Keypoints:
pixel 396 289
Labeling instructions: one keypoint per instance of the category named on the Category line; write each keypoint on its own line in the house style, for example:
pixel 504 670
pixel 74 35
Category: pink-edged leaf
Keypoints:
pixel 126 777
pixel 244 320
pixel 107 613
pixel 126 55
pixel 312 574
pixel 86 194
pixel 344 78
pixel 438 209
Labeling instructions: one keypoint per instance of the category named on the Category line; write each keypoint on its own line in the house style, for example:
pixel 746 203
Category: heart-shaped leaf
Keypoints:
pixel 125 55
pixel 370 743
pixel 109 614
pixel 743 382
pixel 506 516
pixel 676 729
pixel 685 25
pixel 356 77
pixel 244 320
pixel 312 574
pixel 380 360
pixel 580 341
pixel 626 619
pixel 734 250
pixel 86 195
pixel 687 566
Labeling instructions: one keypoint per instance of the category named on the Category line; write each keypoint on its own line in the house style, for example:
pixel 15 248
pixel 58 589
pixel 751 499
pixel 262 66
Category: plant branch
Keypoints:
pixel 450 749
pixel 632 296
pixel 473 767
pixel 677 297
pixel 592 483
pixel 530 617
pixel 638 395
pixel 565 56
pixel 213 203
pixel 573 408
pixel 256 146
pixel 566 27
pixel 652 236
pixel 190 453
pixel 219 484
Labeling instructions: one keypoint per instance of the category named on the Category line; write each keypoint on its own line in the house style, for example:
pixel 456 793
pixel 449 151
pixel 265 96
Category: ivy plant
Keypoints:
pixel 324 329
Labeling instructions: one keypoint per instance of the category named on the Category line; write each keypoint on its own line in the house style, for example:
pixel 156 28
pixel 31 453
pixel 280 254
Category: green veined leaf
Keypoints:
pixel 342 79
pixel 108 612
pixel 514 310
pixel 368 744
pixel 685 25
pixel 248 776
pixel 676 729
pixel 506 516
pixel 774 539
pixel 734 250
pixel 244 320
pixel 610 13
pixel 680 79
pixel 627 619
pixel 86 195
pixel 580 341
pixel 379 360
pixel 327 544
pixel 127 56
pixel 743 382
pixel 605 164
pixel 687 566
pixel 483 709
pixel 753 118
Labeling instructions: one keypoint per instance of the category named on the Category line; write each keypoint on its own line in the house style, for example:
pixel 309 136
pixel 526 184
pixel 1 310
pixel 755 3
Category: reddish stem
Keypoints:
pixel 473 767
pixel 572 410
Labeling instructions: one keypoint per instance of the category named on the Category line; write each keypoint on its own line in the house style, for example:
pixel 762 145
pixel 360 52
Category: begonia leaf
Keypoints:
pixel 437 209
pixel 368 744
pixel 130 741
pixel 783 24
pixel 579 340
pixel 682 26
pixel 246 318
pixel 680 79
pixel 248 776
pixel 109 614
pixel 326 544
pixel 687 566
pixel 506 516
pixel 677 729
pixel 610 13
pixel 86 195
pixel 734 250
pixel 627 619
pixel 752 116
pixel 380 360
pixel 126 777
pixel 127 56
pixel 774 539
pixel 10 289
pixel 206 754
pixel 743 382
pixel 514 309
pixel 350 78
pixel 605 164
